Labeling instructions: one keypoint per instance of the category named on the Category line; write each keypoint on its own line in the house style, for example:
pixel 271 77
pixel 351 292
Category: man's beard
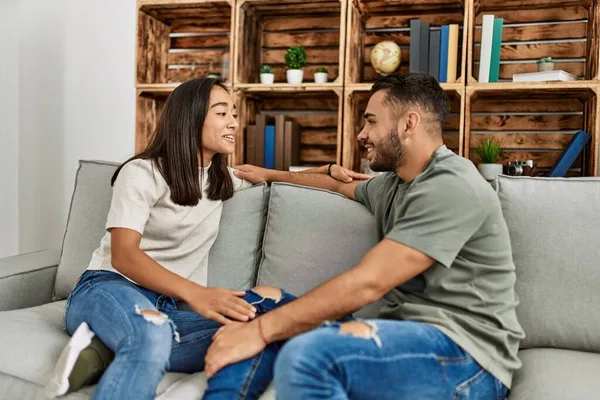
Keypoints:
pixel 389 155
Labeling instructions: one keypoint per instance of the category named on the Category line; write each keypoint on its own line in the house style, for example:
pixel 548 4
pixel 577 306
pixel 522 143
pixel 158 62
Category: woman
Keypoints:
pixel 163 219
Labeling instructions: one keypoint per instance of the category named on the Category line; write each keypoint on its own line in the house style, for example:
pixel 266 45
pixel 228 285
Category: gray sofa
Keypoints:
pixel 296 237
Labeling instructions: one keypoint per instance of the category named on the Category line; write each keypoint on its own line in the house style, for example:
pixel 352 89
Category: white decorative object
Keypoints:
pixel 267 78
pixel 295 76
pixel 489 171
pixel 321 77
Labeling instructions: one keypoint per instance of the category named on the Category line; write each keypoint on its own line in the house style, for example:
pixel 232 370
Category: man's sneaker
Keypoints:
pixel 81 363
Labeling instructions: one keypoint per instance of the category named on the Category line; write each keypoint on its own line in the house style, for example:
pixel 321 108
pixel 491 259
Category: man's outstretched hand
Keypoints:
pixel 346 175
pixel 233 342
pixel 254 174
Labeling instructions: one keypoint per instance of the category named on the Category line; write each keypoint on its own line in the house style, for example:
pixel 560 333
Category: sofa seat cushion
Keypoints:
pixel 31 341
pixel 556 374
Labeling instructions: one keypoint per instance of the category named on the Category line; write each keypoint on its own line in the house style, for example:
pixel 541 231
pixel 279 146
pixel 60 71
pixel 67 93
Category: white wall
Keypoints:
pixel 76 101
pixel 9 127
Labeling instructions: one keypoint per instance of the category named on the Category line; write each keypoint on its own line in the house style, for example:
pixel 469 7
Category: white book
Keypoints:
pixel 485 56
pixel 544 76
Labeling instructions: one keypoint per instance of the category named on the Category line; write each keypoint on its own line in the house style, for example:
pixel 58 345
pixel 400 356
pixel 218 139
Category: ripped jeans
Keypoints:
pixel 397 360
pixel 148 346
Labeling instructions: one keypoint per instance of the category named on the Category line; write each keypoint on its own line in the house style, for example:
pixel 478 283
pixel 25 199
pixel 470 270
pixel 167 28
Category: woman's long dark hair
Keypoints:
pixel 177 141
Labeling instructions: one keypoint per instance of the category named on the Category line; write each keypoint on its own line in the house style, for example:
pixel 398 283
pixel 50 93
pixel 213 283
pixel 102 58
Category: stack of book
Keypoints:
pixel 434 51
pixel 491 42
pixel 273 142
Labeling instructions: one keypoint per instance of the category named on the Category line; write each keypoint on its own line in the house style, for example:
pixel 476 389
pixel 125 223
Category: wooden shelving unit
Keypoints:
pixel 184 39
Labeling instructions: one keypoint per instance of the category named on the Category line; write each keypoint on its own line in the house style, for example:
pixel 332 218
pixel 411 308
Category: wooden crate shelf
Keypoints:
pixel 183 39
pixel 355 103
pixel 567 31
pixel 266 29
pixel 317 112
pixel 370 22
pixel 534 122
pixel 179 40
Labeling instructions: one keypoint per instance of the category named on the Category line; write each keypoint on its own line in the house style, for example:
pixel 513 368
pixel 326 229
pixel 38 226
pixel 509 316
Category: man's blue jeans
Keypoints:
pixel 399 360
pixel 148 345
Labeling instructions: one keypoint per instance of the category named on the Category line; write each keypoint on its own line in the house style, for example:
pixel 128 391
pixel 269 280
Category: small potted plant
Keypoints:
pixel 545 64
pixel 489 151
pixel 266 75
pixel 295 58
pixel 321 75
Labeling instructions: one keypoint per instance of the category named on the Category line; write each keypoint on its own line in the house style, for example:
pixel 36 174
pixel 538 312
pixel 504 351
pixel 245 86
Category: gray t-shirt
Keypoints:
pixel 452 214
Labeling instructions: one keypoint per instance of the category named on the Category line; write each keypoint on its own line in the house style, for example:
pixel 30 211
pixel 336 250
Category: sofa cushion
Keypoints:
pixel 31 342
pixel 241 228
pixel 554 374
pixel 312 235
pixel 553 225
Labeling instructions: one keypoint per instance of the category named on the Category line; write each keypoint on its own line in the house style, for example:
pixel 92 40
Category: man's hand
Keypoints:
pixel 232 343
pixel 346 175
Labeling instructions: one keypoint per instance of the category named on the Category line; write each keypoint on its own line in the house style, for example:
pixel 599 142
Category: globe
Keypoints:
pixel 386 57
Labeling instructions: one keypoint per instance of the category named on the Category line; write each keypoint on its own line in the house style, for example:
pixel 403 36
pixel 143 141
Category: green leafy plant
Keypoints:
pixel 321 69
pixel 266 69
pixel 545 60
pixel 489 151
pixel 295 58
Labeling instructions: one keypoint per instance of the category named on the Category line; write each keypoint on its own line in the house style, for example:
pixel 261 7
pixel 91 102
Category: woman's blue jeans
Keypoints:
pixel 146 346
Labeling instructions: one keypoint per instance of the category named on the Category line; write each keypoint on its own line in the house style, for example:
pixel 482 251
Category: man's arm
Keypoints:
pixel 384 267
pixel 316 177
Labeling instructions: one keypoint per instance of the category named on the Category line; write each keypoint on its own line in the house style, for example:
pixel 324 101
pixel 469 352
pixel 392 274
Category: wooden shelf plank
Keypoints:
pixel 365 87
pixel 536 87
pixel 286 87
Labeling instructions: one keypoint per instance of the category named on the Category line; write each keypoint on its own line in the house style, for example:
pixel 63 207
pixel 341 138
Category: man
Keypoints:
pixel 444 268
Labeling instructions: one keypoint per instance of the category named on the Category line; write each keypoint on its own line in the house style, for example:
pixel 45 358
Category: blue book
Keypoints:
pixel 270 146
pixel 443 70
pixel 570 154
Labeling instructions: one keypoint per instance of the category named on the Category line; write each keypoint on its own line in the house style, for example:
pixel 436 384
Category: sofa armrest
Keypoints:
pixel 27 280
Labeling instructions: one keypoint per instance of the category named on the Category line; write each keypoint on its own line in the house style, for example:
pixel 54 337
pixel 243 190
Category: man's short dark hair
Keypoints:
pixel 415 89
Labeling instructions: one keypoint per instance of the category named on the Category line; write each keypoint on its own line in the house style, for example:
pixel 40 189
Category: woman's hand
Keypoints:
pixel 220 304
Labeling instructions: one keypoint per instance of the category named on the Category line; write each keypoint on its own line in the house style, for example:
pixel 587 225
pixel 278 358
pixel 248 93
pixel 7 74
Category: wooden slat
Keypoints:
pixel 315 120
pixel 306 39
pixel 152 50
pixel 452 122
pixel 201 25
pixel 184 74
pixel 451 140
pixel 295 23
pixel 199 11
pixel 538 50
pixel 539 15
pixel 400 38
pixel 541 159
pixel 296 102
pixel 526 105
pixel 303 8
pixel 540 32
pixel 318 137
pixel 508 70
pixel 317 155
pixel 196 57
pixel 545 141
pixel 198 42
pixel 314 56
pixel 548 122
pixel 402 20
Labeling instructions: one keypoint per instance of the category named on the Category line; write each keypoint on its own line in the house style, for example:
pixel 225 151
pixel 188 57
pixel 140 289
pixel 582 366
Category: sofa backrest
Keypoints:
pixel 232 261
pixel 553 223
pixel 312 235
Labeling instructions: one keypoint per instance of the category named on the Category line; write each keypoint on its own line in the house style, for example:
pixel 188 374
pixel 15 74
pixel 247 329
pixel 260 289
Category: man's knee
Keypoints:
pixel 269 292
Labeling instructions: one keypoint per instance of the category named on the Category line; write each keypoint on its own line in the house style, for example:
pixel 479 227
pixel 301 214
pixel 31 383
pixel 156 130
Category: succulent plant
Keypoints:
pixel 266 69
pixel 489 151
pixel 295 58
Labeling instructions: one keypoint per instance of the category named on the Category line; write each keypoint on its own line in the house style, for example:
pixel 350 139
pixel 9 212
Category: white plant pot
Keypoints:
pixel 489 171
pixel 267 78
pixel 545 66
pixel 295 76
pixel 321 77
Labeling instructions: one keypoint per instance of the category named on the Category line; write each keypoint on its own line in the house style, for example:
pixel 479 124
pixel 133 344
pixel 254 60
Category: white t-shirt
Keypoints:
pixel 177 237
